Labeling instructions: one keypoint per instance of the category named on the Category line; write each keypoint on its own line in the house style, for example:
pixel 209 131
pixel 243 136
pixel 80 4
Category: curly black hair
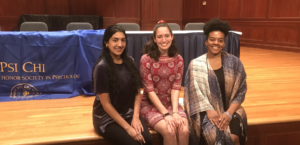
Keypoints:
pixel 151 47
pixel 114 80
pixel 216 25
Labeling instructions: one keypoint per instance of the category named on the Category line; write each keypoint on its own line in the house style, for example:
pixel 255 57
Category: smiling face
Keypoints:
pixel 163 38
pixel 116 44
pixel 215 42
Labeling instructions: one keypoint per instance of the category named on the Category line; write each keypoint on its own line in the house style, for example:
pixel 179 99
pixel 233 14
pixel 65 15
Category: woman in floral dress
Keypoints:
pixel 161 69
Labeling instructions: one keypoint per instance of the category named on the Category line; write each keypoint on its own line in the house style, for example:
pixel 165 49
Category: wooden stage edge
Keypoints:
pixel 272 105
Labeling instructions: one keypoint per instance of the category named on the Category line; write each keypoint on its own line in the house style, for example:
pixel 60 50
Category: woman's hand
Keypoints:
pixel 178 120
pixel 213 117
pixel 137 125
pixel 170 121
pixel 224 121
pixel 135 135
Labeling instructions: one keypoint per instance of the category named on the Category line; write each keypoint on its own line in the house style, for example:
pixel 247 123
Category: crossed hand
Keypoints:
pixel 221 121
pixel 136 129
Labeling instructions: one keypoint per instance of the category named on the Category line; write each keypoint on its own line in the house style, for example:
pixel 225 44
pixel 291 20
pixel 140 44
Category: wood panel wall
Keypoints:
pixel 146 13
pixel 112 11
pixel 272 24
pixel 154 10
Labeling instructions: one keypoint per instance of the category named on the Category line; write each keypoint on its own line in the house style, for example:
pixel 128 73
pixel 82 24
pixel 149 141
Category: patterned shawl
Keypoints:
pixel 202 92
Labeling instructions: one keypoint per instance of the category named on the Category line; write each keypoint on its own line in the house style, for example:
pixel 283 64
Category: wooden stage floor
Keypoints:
pixel 273 79
pixel 272 105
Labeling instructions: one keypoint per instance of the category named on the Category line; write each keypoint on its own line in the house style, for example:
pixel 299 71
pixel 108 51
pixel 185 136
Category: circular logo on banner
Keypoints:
pixel 23 91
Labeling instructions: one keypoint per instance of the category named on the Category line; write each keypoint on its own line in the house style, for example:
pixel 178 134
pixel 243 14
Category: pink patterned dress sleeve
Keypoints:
pixel 178 78
pixel 145 72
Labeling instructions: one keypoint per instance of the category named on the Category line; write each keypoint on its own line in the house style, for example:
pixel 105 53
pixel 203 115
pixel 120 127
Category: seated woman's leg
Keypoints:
pixel 168 134
pixel 116 135
pixel 235 139
pixel 183 133
pixel 146 134
pixel 235 130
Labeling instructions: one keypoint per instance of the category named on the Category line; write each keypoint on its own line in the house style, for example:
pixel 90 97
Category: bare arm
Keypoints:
pixel 137 104
pixel 233 107
pixel 176 115
pixel 136 123
pixel 174 99
pixel 176 86
pixel 225 119
pixel 155 100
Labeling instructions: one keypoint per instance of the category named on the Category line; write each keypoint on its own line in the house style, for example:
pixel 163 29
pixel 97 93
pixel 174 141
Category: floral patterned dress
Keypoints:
pixel 161 77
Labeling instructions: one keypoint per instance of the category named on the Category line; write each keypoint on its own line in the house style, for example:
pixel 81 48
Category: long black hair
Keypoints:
pixel 114 80
pixel 151 47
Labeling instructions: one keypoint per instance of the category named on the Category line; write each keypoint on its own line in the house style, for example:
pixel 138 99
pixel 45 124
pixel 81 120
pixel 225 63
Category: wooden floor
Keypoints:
pixel 273 79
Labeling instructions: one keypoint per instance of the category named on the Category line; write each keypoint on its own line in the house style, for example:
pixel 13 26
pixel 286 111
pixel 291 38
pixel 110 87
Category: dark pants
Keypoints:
pixel 116 135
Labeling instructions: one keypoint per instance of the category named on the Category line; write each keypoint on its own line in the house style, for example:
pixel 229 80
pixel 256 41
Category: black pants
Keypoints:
pixel 116 135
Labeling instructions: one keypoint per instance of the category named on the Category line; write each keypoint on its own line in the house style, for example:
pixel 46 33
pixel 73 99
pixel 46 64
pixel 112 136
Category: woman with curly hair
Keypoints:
pixel 215 88
pixel 116 83
pixel 161 69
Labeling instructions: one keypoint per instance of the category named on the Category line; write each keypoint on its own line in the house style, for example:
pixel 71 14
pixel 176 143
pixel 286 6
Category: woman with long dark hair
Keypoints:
pixel 116 83
pixel 161 69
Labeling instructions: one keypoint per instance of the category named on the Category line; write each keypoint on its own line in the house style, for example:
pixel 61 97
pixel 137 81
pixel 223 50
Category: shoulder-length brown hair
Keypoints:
pixel 151 47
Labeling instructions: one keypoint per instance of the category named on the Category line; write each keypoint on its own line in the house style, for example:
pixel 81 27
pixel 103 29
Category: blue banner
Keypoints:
pixel 47 65
pixel 51 65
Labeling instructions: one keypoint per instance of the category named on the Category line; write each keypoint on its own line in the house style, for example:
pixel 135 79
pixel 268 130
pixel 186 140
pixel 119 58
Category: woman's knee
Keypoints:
pixel 184 132
pixel 168 133
pixel 185 129
pixel 235 139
